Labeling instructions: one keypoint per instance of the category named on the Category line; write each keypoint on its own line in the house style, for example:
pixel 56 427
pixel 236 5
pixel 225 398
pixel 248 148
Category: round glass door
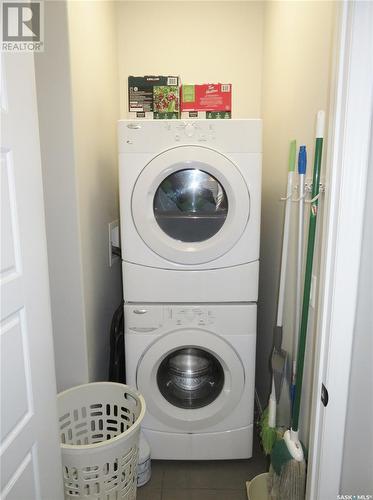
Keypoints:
pixel 190 205
pixel 190 378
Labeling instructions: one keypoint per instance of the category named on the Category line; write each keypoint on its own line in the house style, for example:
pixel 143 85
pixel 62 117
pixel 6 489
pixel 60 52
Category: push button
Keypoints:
pixel 189 130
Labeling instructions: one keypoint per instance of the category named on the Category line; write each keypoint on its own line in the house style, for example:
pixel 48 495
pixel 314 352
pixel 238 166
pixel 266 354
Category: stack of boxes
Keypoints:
pixel 163 97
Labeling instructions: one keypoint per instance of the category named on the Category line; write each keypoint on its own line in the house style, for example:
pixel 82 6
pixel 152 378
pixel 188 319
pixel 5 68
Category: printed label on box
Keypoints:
pixel 216 115
pixel 140 115
pixel 166 99
pixel 165 116
pixel 188 93
pixel 211 115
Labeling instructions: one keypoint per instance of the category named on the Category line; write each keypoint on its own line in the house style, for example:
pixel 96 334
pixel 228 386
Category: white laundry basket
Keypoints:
pixel 99 431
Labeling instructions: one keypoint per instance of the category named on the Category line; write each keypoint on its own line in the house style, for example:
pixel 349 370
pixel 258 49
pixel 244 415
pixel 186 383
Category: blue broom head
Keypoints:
pixel 302 160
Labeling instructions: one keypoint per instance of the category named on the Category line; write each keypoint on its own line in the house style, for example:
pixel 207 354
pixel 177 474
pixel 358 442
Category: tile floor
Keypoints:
pixel 202 480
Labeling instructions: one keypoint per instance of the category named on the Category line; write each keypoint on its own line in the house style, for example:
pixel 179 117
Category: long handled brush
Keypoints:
pixel 302 166
pixel 287 458
pixel 279 356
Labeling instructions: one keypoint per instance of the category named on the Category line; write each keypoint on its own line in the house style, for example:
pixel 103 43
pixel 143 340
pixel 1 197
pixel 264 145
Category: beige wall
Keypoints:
pixel 298 40
pixel 52 71
pixel 200 41
pixel 94 84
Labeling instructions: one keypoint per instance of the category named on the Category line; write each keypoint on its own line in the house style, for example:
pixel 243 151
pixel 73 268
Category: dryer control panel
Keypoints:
pixel 146 136
pixel 199 132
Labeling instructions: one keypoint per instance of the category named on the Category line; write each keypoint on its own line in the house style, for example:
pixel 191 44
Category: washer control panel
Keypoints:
pixel 160 319
pixel 188 316
pixel 148 318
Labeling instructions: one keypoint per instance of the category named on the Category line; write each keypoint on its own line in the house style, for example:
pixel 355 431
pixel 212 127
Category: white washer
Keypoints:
pixel 190 201
pixel 194 365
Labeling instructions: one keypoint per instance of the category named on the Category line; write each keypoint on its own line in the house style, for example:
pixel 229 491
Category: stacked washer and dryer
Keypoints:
pixel 190 224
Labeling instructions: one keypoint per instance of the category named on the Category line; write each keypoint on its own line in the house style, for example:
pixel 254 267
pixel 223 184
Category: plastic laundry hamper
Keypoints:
pixel 99 430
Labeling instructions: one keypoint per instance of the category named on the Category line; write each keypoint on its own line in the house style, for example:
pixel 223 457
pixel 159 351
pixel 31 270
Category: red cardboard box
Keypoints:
pixel 206 97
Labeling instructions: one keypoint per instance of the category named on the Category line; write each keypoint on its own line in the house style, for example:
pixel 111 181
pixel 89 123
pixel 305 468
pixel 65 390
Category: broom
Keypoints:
pixel 287 458
pixel 269 433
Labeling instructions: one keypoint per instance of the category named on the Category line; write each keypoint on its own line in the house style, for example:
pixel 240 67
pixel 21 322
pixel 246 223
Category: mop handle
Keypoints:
pixel 309 264
pixel 302 166
pixel 285 237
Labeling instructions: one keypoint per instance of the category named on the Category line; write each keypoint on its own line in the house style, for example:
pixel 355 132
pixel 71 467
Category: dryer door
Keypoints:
pixel 190 385
pixel 190 205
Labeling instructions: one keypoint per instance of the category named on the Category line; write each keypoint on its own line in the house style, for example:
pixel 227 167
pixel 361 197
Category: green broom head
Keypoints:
pixel 280 456
pixel 268 434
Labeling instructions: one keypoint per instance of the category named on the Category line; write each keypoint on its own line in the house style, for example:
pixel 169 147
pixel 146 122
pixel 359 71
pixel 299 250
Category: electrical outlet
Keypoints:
pixel 114 241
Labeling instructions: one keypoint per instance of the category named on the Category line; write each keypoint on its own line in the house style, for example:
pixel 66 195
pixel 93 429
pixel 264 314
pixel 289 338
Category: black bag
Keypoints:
pixel 117 367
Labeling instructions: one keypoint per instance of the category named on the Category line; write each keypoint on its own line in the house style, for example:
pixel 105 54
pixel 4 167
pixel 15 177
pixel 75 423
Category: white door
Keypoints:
pixel 190 205
pixel 30 455
pixel 349 161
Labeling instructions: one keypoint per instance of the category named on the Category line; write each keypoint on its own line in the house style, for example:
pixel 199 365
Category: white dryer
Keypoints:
pixel 194 365
pixel 190 201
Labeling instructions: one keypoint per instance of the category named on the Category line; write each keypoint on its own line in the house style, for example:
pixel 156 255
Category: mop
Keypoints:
pixel 288 469
pixel 269 433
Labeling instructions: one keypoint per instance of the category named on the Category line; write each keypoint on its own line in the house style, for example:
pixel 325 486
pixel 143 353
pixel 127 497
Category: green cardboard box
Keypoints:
pixel 154 96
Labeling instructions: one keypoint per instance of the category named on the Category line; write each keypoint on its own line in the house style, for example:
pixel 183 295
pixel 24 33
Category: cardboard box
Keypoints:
pixel 210 97
pixel 154 96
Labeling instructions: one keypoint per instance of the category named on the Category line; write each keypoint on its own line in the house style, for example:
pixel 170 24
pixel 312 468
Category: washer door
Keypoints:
pixel 190 205
pixel 190 379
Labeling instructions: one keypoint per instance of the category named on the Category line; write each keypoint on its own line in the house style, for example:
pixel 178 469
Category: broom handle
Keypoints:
pixel 302 167
pixel 285 238
pixel 309 263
